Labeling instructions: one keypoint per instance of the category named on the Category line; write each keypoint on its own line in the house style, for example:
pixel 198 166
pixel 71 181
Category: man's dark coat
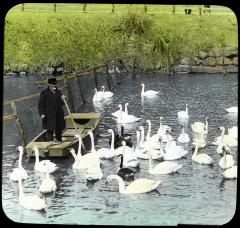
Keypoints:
pixel 50 105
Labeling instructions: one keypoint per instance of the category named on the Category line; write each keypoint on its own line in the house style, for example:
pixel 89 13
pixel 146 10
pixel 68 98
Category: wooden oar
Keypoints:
pixel 73 121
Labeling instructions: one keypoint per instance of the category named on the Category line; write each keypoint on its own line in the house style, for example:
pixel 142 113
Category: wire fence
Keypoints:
pixel 121 8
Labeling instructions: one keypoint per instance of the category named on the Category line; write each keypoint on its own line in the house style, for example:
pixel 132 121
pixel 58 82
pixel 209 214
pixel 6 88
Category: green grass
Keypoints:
pixel 39 37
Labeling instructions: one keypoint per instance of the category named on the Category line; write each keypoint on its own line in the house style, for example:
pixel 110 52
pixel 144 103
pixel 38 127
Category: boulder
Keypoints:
pixel 207 69
pixel 202 55
pixel 228 61
pixel 209 61
pixel 215 52
pixel 186 61
pixel 230 52
pixel 219 61
pixel 235 61
pixel 182 68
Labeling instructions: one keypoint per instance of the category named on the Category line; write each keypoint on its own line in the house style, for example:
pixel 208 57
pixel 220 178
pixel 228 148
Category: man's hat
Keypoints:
pixel 52 81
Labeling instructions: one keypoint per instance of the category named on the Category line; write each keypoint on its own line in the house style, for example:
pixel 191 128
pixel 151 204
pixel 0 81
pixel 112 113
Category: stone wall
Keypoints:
pixel 214 61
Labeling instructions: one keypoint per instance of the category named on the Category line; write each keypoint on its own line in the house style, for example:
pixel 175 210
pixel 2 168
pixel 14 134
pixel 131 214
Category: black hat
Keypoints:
pixel 52 81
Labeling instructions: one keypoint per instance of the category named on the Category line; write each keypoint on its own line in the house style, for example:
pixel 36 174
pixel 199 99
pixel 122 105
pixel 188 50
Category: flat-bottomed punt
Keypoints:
pixel 83 122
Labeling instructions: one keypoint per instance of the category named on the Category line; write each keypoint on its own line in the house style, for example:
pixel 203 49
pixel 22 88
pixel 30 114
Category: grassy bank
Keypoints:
pixel 38 39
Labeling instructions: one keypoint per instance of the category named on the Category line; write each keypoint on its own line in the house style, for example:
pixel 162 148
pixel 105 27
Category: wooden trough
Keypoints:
pixel 83 121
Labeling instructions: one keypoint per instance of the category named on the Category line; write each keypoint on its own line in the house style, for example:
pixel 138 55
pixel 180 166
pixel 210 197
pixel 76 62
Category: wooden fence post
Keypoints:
pixel 22 7
pixel 55 6
pixel 113 8
pixel 84 7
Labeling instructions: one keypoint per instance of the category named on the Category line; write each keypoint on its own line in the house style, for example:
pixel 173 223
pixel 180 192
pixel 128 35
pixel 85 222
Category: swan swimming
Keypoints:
pixel 230 173
pixel 106 94
pixel 94 173
pixel 123 118
pixel 183 137
pixel 148 93
pixel 183 114
pixel 19 172
pixel 141 185
pixel 200 127
pixel 227 160
pixel 201 158
pixel 40 165
pixel 125 172
pixel 118 112
pixel 48 184
pixel 232 110
pixel 164 167
pixel 32 202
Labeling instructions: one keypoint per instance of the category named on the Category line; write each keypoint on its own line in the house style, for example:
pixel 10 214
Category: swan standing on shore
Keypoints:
pixel 183 114
pixel 32 202
pixel 148 93
pixel 40 165
pixel 19 172
pixel 48 184
pixel 141 185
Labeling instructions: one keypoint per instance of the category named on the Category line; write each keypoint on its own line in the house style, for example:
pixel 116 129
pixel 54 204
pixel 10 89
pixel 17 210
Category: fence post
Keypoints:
pixel 55 6
pixel 113 8
pixel 174 9
pixel 145 8
pixel 22 7
pixel 84 7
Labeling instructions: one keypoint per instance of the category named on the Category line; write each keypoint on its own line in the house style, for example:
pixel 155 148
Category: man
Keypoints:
pixel 51 111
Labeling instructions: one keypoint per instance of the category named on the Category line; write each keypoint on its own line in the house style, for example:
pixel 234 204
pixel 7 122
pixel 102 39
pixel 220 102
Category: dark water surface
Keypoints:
pixel 197 194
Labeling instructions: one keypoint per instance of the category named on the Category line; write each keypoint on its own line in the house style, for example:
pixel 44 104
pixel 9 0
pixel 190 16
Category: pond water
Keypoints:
pixel 196 194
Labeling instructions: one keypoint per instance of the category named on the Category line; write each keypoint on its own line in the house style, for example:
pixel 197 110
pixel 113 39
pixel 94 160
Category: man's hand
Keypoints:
pixel 63 97
pixel 42 116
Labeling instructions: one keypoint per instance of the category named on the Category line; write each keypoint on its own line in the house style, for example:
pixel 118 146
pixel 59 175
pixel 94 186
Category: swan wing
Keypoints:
pixel 231 172
pixel 166 167
pixel 142 185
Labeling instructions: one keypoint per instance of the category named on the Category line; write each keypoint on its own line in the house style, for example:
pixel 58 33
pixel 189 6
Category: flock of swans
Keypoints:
pixel 160 147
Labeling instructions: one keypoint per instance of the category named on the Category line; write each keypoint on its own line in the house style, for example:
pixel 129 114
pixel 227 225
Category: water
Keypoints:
pixel 197 194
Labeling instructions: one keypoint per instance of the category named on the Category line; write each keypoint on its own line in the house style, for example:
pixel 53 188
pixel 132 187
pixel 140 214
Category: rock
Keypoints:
pixel 235 61
pixel 230 52
pixel 227 61
pixel 182 68
pixel 207 69
pixel 196 61
pixel 219 61
pixel 209 61
pixel 215 52
pixel 202 55
pixel 231 69
pixel 186 61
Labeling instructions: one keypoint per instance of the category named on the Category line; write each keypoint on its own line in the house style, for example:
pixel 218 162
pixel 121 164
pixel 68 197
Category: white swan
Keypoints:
pixel 94 173
pixel 200 127
pixel 164 167
pixel 123 118
pixel 126 108
pixel 173 152
pixel 48 184
pixel 183 137
pixel 227 160
pixel 162 128
pixel 233 132
pixel 118 112
pixel 148 93
pixel 76 164
pixel 108 153
pixel 98 95
pixel 201 158
pixel 106 94
pixel 233 110
pixel 141 185
pixel 130 158
pixel 19 172
pixel 230 173
pixel 40 165
pixel 183 114
pixel 32 202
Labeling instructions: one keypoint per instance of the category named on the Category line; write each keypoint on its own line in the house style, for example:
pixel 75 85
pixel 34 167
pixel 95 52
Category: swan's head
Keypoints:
pixel 119 106
pixel 35 148
pixel 110 130
pixel 95 90
pixel 126 104
pixel 123 143
pixel 141 128
pixel 102 87
pixel 77 136
pixel 222 128
pixel 20 149
pixel 142 84
pixel 90 132
pixel 187 104
pixel 71 150
pixel 148 121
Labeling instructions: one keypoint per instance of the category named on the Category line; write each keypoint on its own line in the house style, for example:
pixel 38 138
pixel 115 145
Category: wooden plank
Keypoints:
pixel 89 115
pixel 9 117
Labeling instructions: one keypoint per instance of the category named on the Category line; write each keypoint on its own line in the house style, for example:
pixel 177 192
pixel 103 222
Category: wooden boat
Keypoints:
pixel 83 122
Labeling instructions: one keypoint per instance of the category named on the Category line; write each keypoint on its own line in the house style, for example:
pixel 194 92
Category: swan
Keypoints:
pixel 130 158
pixel 19 172
pixel 118 112
pixel 150 144
pixel 48 184
pixel 76 164
pixel 183 114
pixel 32 202
pixel 164 167
pixel 173 152
pixel 162 128
pixel 106 94
pixel 141 185
pixel 201 158
pixel 107 153
pixel 94 173
pixel 148 93
pixel 227 160
pixel 98 95
pixel 200 127
pixel 183 137
pixel 40 165
pixel 125 172
pixel 230 173
pixel 148 136
pixel 123 118
pixel 233 132
pixel 233 110
pixel 126 108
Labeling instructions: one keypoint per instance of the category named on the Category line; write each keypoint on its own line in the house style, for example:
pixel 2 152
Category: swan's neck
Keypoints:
pixel 121 184
pixel 138 140
pixel 206 125
pixel 126 110
pixel 20 188
pixel 183 131
pixel 79 153
pixel 92 143
pixel 75 156
pixel 142 92
pixel 222 135
pixel 195 151
pixel 112 142
pixel 150 166
pixel 186 109
pixel 149 130
pixel 121 163
pixel 36 156
pixel 20 161
pixel 142 136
